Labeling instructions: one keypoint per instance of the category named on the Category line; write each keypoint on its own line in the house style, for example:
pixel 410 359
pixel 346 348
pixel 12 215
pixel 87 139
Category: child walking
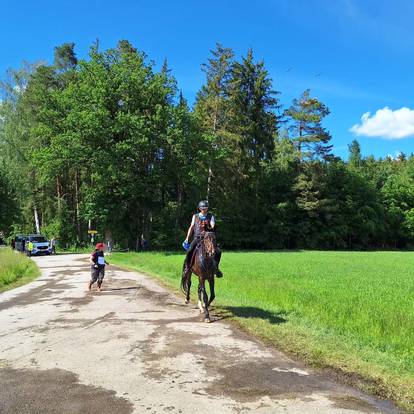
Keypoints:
pixel 98 263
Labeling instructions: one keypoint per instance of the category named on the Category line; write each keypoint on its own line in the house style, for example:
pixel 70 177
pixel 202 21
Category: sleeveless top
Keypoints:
pixel 201 225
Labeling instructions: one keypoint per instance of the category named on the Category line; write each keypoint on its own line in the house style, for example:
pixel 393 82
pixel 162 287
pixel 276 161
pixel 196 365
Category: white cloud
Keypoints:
pixel 386 123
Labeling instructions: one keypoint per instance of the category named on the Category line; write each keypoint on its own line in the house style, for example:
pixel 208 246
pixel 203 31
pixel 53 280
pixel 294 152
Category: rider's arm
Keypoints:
pixel 212 224
pixel 190 229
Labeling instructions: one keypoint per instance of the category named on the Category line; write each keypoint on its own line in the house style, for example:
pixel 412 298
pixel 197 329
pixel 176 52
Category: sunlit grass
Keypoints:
pixel 350 310
pixel 15 269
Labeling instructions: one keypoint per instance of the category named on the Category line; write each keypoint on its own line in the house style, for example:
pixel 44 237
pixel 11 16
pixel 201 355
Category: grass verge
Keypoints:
pixel 350 311
pixel 15 269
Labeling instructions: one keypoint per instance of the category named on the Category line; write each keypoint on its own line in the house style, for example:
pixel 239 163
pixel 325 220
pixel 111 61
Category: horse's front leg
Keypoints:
pixel 212 293
pixel 205 299
pixel 200 292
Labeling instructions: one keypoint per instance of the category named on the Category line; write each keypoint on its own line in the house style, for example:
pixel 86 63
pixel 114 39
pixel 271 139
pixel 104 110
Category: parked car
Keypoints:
pixel 20 242
pixel 41 244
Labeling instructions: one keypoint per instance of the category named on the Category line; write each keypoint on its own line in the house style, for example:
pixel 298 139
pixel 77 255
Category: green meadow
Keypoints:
pixel 15 269
pixel 351 311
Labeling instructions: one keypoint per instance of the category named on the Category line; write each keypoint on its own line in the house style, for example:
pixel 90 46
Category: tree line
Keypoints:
pixel 110 143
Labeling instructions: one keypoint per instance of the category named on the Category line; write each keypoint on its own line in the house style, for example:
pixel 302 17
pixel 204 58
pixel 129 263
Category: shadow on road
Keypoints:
pixel 249 312
pixel 121 288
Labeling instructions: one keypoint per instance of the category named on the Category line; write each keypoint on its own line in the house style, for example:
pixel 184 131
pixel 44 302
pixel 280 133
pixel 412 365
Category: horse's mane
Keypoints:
pixel 208 244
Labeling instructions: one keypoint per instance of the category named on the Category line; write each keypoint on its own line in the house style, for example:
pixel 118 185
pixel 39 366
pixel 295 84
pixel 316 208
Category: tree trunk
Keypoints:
pixel 178 213
pixel 59 198
pixel 108 240
pixel 210 170
pixel 138 230
pixel 77 204
pixel 300 145
pixel 210 175
pixel 36 218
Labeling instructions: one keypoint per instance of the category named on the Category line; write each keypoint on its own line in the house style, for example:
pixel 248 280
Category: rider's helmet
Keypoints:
pixel 203 204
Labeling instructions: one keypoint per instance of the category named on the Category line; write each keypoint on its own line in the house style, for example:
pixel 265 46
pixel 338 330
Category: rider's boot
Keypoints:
pixel 219 273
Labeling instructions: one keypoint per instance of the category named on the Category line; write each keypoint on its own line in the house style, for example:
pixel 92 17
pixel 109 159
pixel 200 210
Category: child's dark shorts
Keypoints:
pixel 97 274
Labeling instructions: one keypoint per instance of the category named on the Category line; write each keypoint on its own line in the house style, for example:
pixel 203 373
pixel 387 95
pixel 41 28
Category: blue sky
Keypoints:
pixel 355 55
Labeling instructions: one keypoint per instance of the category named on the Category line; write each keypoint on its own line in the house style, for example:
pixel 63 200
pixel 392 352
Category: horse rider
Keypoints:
pixel 200 223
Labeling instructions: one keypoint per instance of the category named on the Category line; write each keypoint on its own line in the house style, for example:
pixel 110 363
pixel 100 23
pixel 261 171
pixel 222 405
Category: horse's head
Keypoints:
pixel 209 243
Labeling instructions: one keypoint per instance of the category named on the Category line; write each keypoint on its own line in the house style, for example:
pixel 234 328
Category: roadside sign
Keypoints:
pixel 92 231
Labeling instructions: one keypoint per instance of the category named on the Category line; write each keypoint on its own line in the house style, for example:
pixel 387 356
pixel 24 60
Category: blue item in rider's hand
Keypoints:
pixel 186 245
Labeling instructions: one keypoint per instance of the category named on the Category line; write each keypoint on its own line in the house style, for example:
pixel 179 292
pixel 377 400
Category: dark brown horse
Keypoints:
pixel 204 265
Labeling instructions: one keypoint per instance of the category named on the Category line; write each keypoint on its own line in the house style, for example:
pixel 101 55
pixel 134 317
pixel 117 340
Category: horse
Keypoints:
pixel 204 266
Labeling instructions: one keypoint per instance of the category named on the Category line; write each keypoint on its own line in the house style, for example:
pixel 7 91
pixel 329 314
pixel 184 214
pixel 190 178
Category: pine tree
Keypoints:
pixel 212 108
pixel 65 58
pixel 354 157
pixel 305 116
pixel 253 107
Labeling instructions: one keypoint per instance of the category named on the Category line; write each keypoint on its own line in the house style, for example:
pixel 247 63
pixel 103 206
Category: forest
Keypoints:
pixel 110 143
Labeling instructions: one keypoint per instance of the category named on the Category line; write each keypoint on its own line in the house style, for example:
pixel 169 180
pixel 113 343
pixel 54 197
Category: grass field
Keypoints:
pixel 352 311
pixel 15 269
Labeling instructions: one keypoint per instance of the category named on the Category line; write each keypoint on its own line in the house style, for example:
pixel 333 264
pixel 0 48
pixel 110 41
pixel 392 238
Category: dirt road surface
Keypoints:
pixel 136 348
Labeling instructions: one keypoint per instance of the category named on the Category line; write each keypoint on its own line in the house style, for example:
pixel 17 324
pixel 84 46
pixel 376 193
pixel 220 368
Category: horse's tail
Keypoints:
pixel 184 281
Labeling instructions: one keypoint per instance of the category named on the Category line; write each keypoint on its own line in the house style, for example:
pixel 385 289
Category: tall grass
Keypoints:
pixel 15 269
pixel 350 310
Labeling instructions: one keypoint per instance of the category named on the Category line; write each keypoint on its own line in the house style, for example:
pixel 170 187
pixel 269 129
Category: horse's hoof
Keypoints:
pixel 186 302
pixel 207 320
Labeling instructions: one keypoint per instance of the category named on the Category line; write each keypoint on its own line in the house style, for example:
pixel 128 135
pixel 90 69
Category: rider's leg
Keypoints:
pixel 189 256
